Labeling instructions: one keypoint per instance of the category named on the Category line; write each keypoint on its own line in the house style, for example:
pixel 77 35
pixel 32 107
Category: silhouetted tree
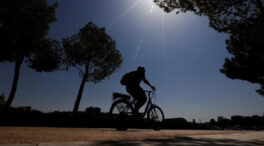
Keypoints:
pixel 93 53
pixel 243 20
pixel 246 46
pixel 223 122
pixel 257 121
pixel 212 122
pixel 24 26
pixel 238 120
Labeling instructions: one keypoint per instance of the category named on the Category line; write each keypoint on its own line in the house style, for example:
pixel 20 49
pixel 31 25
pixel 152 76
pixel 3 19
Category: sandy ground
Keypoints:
pixel 36 135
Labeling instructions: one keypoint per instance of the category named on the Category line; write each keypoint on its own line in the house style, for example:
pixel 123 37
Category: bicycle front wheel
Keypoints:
pixel 155 117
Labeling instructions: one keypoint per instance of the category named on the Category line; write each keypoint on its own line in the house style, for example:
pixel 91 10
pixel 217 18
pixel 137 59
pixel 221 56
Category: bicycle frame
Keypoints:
pixel 149 103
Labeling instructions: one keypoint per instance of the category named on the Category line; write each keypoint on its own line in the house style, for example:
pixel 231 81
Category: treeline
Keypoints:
pixel 236 122
pixel 93 117
pixel 25 116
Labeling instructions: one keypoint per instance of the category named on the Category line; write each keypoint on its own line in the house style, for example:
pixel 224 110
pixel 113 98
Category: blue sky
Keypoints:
pixel 181 53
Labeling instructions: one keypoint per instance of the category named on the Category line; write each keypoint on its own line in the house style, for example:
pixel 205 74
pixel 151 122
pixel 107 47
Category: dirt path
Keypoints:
pixel 36 135
pixel 252 138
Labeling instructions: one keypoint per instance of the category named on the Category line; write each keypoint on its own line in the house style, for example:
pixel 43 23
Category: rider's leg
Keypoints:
pixel 141 100
pixel 138 94
pixel 133 92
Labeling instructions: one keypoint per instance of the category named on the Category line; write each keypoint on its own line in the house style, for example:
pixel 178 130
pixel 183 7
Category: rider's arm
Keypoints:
pixel 147 82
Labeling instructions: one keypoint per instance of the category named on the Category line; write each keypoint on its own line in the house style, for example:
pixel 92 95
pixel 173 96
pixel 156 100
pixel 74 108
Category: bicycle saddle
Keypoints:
pixel 120 95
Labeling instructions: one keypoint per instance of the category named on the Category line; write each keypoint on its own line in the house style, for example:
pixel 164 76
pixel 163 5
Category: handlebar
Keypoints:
pixel 151 93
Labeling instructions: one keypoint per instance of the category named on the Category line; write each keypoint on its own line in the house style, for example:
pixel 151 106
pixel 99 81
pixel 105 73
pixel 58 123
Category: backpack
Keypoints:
pixel 125 79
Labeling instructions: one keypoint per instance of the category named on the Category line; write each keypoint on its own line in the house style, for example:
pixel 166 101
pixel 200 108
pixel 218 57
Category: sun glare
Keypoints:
pixel 152 8
pixel 125 13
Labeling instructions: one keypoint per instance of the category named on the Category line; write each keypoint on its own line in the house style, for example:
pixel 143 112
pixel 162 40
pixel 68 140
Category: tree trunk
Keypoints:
pixel 14 85
pixel 260 6
pixel 79 96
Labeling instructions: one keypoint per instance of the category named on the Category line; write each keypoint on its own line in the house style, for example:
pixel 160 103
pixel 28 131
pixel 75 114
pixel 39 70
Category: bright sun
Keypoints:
pixel 149 3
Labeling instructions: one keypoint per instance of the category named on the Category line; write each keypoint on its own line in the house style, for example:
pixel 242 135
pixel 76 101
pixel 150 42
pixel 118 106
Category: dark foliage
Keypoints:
pixel 47 57
pixel 246 46
pixel 24 26
pixel 244 21
pixel 93 53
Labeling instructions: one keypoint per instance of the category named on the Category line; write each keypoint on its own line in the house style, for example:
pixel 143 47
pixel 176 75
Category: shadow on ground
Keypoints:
pixel 183 141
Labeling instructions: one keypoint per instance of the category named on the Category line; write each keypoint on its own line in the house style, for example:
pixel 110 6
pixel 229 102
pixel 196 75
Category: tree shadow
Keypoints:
pixel 183 141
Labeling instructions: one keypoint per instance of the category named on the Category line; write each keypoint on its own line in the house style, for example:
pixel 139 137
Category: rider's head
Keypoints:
pixel 141 69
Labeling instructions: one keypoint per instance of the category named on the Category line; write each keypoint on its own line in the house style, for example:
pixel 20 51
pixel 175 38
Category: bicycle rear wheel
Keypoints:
pixel 155 117
pixel 120 113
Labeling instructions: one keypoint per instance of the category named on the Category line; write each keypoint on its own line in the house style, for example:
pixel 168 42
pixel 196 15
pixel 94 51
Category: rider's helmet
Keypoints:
pixel 141 69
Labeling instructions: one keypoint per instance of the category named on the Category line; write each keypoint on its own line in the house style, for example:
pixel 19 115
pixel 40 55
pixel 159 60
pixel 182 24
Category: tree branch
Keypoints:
pixel 79 69
pixel 260 6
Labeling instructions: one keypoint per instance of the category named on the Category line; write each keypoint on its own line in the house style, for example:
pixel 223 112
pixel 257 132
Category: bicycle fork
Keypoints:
pixel 154 114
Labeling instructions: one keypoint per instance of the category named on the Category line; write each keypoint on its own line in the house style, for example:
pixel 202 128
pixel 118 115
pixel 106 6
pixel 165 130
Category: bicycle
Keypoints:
pixel 123 110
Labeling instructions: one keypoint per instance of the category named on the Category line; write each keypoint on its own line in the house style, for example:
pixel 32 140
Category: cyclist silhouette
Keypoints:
pixel 132 80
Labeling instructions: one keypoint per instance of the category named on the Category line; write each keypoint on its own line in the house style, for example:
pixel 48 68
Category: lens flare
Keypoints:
pixel 152 7
pixel 141 42
pixel 143 35
pixel 125 13
pixel 164 47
